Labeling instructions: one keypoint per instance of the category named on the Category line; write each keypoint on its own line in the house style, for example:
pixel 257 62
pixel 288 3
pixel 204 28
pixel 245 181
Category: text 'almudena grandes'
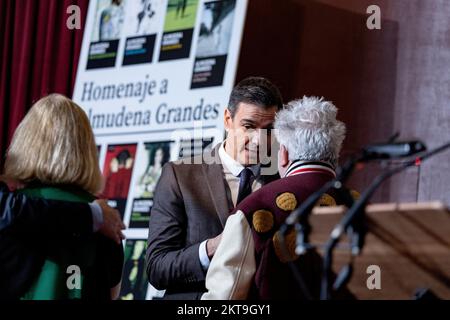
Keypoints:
pixel 163 114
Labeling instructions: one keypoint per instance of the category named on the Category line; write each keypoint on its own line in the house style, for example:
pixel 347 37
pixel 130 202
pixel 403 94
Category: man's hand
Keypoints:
pixel 212 244
pixel 112 224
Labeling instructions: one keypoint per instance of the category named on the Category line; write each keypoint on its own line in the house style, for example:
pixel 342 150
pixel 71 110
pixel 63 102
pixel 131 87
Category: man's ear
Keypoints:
pixel 284 156
pixel 227 119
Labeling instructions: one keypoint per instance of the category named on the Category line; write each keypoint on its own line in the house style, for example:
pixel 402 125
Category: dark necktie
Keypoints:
pixel 245 184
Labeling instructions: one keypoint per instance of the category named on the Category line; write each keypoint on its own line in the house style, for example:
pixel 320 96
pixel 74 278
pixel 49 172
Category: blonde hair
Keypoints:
pixel 54 144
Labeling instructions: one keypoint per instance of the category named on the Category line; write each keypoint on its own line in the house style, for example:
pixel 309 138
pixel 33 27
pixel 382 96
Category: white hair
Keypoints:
pixel 309 130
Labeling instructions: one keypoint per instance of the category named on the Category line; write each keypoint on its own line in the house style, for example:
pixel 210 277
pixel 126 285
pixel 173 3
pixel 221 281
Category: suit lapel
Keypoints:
pixel 216 186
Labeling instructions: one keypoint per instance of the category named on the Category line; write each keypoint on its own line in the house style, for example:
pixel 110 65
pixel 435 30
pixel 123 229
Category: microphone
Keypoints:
pixel 371 152
pixel 359 206
pixel 393 150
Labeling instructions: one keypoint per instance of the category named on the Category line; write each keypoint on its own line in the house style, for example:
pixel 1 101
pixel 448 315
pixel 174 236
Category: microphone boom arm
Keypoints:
pixel 359 209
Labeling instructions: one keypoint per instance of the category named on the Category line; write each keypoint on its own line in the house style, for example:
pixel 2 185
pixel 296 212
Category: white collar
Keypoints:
pixel 228 162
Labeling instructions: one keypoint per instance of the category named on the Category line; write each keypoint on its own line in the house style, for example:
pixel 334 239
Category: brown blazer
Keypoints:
pixel 191 204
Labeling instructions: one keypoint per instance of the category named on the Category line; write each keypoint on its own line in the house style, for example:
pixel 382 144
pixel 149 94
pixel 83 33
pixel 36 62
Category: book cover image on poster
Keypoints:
pixel 178 29
pixel 144 21
pixel 148 170
pixel 117 171
pixel 108 24
pixel 213 43
pixel 134 278
pixel 194 147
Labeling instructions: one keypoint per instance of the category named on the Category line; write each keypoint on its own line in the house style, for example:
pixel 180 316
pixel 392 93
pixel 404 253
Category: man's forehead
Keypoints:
pixel 253 111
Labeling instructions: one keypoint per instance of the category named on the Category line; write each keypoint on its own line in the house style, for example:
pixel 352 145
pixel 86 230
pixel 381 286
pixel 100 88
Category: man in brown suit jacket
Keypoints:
pixel 193 198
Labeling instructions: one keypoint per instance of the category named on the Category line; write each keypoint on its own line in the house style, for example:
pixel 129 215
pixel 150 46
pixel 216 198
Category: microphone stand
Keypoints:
pixel 299 217
pixel 356 212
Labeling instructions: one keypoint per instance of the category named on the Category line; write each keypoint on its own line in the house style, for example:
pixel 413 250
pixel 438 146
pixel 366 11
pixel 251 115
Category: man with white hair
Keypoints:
pixel 249 262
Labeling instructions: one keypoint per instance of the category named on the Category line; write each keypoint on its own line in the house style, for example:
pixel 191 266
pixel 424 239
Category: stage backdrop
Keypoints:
pixel 154 78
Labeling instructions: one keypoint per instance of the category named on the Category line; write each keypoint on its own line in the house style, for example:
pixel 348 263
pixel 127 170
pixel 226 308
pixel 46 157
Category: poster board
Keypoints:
pixel 154 79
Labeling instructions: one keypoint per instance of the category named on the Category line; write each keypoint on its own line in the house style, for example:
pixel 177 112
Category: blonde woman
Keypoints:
pixel 53 156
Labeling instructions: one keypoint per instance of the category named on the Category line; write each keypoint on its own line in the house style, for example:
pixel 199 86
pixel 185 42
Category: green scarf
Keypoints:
pixel 54 280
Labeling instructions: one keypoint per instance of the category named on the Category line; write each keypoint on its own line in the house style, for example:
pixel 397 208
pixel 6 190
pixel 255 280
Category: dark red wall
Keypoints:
pixel 382 81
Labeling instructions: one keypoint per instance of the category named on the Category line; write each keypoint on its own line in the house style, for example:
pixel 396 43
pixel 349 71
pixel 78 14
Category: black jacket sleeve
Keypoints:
pixel 43 217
